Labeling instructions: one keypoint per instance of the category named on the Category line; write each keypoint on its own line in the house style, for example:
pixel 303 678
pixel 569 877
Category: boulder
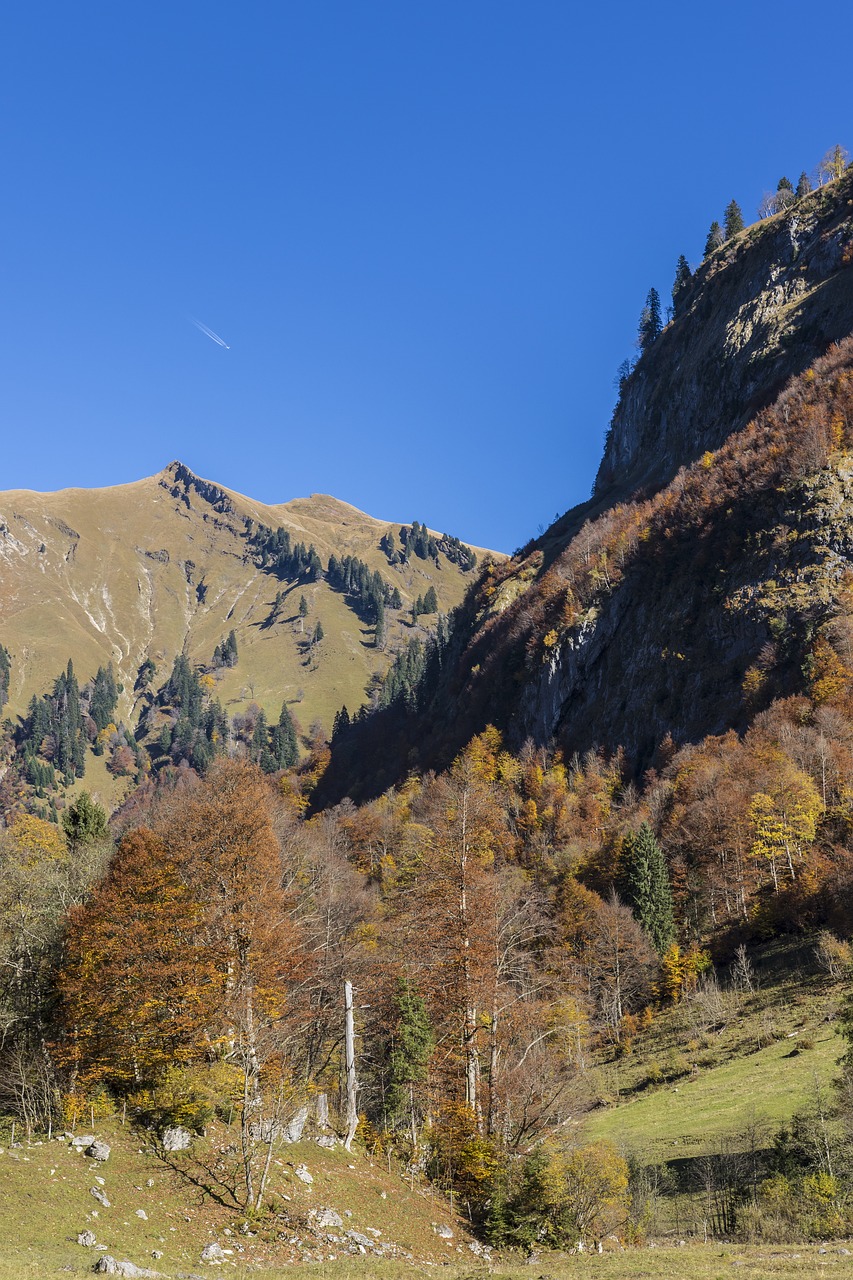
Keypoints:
pixel 87 1238
pixel 98 1150
pixel 303 1175
pixel 328 1140
pixel 107 1265
pixel 212 1253
pixel 82 1140
pixel 328 1218
pixel 100 1196
pixel 443 1232
pixel 292 1131
pixel 140 1213
pixel 176 1138
pixel 357 1238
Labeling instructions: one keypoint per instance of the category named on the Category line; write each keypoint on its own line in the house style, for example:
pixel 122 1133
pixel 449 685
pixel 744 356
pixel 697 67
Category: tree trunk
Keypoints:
pixel 349 1059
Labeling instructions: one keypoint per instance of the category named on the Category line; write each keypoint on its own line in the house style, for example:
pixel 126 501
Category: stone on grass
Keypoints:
pixel 328 1140
pixel 107 1265
pixel 140 1213
pixel 328 1218
pixel 82 1140
pixel 176 1138
pixel 87 1238
pixel 98 1150
pixel 212 1252
pixel 359 1239
pixel 303 1175
pixel 99 1196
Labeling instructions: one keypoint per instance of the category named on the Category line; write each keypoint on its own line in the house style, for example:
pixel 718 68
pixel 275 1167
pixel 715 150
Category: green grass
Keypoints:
pixel 767 1086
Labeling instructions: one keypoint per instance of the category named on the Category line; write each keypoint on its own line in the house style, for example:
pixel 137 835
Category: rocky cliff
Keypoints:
pixel 758 312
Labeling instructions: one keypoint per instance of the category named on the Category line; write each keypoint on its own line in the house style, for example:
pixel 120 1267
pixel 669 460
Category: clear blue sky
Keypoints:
pixel 425 230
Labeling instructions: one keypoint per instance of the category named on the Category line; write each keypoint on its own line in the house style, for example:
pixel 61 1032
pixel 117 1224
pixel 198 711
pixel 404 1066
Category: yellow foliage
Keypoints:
pixel 551 639
pixel 37 839
pixel 707 459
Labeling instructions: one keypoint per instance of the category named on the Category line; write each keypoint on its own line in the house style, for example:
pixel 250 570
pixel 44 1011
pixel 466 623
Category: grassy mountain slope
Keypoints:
pixel 150 569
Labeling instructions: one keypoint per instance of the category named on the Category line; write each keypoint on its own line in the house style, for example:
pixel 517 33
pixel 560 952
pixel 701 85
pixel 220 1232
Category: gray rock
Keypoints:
pixel 303 1175
pixel 328 1140
pixel 100 1196
pixel 140 1213
pixel 98 1150
pixel 87 1238
pixel 212 1252
pixel 328 1218
pixel 296 1124
pixel 358 1238
pixel 82 1140
pixel 176 1138
pixel 481 1250
pixel 107 1265
pixel 444 1232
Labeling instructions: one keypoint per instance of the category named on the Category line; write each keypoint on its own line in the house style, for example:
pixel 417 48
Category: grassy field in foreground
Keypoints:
pixel 693 1262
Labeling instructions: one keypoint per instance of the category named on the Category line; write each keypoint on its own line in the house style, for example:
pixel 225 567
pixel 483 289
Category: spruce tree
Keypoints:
pixel 804 185
pixel 683 276
pixel 410 1050
pixel 733 220
pixel 83 822
pixel 650 320
pixel 647 888
pixel 715 238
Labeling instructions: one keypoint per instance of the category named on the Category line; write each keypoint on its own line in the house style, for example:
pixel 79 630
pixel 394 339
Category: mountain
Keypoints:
pixel 140 573
pixel 714 553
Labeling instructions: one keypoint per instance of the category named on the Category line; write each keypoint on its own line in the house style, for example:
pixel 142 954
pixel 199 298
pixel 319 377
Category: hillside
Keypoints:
pixel 715 545
pixel 142 572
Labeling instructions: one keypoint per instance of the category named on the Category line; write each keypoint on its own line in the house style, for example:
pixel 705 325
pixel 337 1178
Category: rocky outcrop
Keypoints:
pixel 759 311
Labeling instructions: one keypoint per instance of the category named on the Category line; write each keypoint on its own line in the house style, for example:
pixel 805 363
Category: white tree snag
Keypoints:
pixel 349 1059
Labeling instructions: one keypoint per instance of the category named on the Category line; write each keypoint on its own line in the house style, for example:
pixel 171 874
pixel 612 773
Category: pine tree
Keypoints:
pixel 430 601
pixel 647 888
pixel 318 633
pixel 804 185
pixel 715 238
pixel 733 220
pixel 650 320
pixel 283 744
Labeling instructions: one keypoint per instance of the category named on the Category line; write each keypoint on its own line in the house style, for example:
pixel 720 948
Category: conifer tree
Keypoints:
pixel 647 887
pixel 283 745
pixel 650 320
pixel 714 239
pixel 5 673
pixel 410 1050
pixel 804 185
pixel 83 822
pixel 683 276
pixel 733 220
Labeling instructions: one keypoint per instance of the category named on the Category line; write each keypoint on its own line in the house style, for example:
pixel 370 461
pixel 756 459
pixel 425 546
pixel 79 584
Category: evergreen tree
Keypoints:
pixel 5 675
pixel 733 220
pixel 104 697
pixel 650 320
pixel 784 194
pixel 683 276
pixel 83 822
pixel 283 744
pixel 647 887
pixel 715 239
pixel 318 633
pixel 409 1052
pixel 430 601
pixel 341 722
pixel 804 185
pixel 379 632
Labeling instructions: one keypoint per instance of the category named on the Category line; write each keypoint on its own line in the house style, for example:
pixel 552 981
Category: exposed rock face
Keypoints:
pixel 176 1138
pixel 760 310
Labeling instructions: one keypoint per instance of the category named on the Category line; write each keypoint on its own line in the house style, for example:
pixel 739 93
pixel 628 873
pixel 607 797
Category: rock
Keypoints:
pixel 327 1140
pixel 845 1252
pixel 292 1131
pixel 82 1140
pixel 87 1238
pixel 303 1175
pixel 156 1253
pixel 107 1265
pixel 99 1196
pixel 359 1239
pixel 140 1213
pixel 481 1250
pixel 176 1138
pixel 212 1252
pixel 149 1182
pixel 443 1232
pixel 98 1150
pixel 328 1218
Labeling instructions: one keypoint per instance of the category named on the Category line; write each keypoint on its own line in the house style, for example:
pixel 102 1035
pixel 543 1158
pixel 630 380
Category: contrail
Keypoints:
pixel 214 336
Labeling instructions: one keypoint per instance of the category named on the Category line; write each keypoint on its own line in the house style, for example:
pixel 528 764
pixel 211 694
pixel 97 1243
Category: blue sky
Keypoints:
pixel 425 230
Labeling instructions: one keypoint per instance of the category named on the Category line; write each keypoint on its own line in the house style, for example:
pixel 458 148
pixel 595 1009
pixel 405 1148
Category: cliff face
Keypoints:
pixel 688 591
pixel 759 311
